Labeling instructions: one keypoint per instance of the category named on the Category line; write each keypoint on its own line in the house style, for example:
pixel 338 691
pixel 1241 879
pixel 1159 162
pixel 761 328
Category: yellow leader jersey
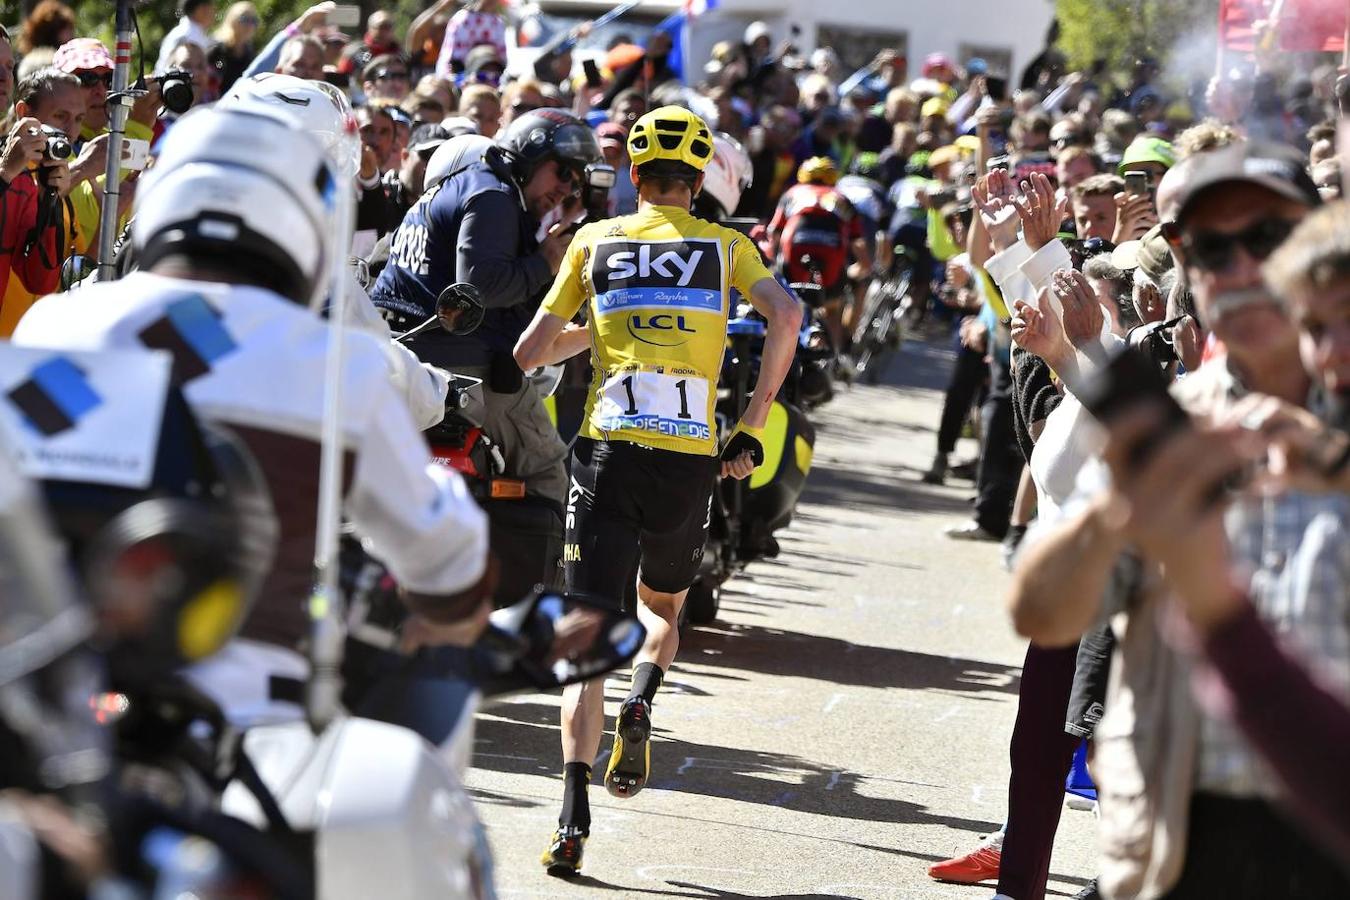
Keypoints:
pixel 657 284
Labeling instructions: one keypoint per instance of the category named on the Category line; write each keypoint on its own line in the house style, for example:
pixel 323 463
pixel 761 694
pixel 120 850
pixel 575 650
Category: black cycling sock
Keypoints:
pixel 647 678
pixel 576 808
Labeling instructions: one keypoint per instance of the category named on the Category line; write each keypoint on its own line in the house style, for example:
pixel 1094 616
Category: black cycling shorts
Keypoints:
pixel 628 503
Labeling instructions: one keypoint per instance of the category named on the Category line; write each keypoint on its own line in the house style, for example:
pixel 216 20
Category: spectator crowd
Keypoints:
pixel 1177 533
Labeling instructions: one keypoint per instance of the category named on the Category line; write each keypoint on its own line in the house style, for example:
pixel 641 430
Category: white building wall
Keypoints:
pixel 1016 26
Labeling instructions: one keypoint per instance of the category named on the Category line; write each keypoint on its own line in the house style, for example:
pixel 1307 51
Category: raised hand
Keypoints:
pixel 1083 313
pixel 1040 211
pixel 993 195
pixel 1039 332
pixel 1134 217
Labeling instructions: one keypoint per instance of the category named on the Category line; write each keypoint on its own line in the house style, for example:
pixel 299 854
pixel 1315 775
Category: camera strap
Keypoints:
pixel 51 214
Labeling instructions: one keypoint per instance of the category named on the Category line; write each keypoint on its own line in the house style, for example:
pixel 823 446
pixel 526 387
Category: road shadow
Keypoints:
pixel 922 363
pixel 522 739
pixel 696 891
pixel 773 651
pixel 844 488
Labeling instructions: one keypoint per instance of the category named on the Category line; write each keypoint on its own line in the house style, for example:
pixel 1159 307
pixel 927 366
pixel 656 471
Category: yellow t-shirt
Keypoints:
pixel 656 285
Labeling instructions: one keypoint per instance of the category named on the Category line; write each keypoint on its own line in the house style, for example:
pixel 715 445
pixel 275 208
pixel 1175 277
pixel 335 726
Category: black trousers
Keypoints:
pixel 1040 754
pixel 1241 849
pixel 968 376
pixel 1000 459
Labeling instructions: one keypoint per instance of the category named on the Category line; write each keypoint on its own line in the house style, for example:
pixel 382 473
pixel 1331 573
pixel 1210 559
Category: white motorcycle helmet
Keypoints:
pixel 728 173
pixel 245 183
pixel 317 106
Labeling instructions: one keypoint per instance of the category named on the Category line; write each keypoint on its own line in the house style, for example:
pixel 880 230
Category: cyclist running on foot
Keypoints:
pixel 657 289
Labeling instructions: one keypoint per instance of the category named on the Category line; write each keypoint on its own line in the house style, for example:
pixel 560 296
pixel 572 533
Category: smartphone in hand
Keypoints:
pixel 593 79
pixel 345 15
pixel 1136 183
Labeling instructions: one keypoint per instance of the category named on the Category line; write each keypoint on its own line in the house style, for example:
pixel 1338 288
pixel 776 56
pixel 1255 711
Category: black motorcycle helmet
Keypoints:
pixel 548 134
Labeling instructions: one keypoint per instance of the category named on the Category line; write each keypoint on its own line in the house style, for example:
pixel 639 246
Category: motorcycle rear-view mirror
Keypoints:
pixel 552 639
pixel 459 309
pixel 76 269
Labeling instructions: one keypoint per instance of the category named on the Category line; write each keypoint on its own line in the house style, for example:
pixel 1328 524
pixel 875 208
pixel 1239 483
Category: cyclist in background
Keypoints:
pixel 815 220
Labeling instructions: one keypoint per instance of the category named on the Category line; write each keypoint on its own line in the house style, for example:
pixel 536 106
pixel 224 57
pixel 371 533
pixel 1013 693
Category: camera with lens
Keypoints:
pixel 596 183
pixel 58 145
pixel 175 87
pixel 1155 340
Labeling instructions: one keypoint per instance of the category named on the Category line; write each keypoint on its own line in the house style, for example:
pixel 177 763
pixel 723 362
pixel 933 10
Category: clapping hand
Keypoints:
pixel 1040 211
pixel 1039 332
pixel 1083 313
pixel 994 197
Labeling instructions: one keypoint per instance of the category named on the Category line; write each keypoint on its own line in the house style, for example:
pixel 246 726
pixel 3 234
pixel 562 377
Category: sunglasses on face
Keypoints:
pixel 1212 251
pixel 248 20
pixel 520 106
pixel 89 79
pixel 569 177
pixel 484 76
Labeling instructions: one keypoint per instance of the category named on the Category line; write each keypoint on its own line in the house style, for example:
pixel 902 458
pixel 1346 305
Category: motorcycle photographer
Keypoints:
pixel 233 235
pixel 479 225
pixel 323 111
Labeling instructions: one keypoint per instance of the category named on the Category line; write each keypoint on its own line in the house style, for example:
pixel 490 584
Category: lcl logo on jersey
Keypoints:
pixel 659 329
pixel 665 275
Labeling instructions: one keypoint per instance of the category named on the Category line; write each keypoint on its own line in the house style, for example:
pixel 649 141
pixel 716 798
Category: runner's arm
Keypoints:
pixel 780 346
pixel 549 340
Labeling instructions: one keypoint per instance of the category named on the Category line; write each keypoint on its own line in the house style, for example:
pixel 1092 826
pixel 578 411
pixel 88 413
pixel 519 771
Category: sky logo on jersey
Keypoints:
pixel 191 331
pixel 664 275
pixel 55 397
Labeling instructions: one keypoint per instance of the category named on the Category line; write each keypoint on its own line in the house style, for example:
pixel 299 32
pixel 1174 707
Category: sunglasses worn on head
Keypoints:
pixel 89 79
pixel 391 75
pixel 1212 251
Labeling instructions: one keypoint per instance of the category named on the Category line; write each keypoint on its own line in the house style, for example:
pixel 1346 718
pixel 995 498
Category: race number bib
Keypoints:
pixel 671 402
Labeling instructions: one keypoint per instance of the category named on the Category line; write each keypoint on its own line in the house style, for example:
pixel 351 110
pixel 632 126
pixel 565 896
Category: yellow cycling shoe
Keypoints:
pixel 562 859
pixel 631 759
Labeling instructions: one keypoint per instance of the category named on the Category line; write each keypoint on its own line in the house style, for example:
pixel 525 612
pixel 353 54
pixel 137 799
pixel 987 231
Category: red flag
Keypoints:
pixel 1236 18
pixel 1316 25
pixel 1300 25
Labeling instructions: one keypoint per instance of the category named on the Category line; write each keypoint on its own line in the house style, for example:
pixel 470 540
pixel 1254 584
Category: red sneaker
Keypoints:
pixel 982 865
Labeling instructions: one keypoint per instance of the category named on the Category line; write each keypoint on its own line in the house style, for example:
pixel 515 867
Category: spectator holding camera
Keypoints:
pixel 34 178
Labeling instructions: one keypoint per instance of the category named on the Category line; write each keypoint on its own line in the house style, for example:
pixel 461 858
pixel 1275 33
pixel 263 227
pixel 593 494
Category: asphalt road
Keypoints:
pixel 842 725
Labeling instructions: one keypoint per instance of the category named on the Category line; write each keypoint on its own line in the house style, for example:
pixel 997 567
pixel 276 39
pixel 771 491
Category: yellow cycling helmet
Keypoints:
pixel 670 133
pixel 818 170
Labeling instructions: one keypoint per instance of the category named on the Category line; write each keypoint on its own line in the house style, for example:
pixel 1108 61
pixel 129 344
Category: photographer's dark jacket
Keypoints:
pixel 472 228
